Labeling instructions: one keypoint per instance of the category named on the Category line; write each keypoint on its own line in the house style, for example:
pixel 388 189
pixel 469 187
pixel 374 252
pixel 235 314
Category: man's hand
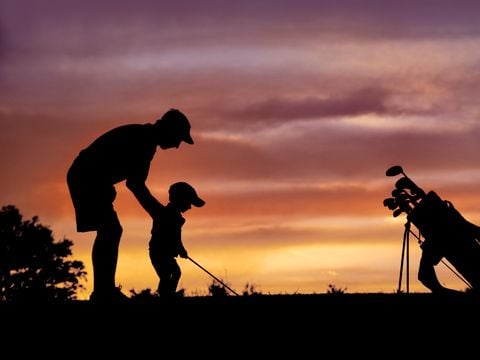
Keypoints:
pixel 151 205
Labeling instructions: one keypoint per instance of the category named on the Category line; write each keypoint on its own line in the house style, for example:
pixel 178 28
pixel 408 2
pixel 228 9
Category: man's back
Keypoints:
pixel 121 153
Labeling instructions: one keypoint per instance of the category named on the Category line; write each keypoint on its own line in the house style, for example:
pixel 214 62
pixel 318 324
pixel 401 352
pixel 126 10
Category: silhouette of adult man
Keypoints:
pixel 123 153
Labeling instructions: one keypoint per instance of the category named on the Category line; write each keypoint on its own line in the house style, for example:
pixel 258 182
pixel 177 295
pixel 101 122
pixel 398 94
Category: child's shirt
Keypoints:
pixel 166 237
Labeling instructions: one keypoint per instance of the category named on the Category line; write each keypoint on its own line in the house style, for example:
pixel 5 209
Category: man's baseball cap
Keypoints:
pixel 184 191
pixel 175 119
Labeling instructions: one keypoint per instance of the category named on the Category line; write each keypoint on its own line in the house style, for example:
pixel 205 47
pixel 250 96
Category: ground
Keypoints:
pixel 309 325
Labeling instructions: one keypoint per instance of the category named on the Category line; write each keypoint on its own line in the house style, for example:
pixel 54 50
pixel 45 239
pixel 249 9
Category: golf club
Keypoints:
pixel 391 203
pixel 406 183
pixel 403 200
pixel 394 171
pixel 213 276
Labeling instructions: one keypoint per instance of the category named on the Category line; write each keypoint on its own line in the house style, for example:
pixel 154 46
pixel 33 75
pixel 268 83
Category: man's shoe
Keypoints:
pixel 114 296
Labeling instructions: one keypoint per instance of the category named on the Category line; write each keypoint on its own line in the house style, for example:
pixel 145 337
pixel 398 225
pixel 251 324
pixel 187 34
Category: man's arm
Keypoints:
pixel 151 205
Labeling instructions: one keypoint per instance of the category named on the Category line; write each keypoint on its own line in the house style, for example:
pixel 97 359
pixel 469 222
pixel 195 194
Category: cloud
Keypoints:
pixel 92 30
pixel 360 102
pixel 311 150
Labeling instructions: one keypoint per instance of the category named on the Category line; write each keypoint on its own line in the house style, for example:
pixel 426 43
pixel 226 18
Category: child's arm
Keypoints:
pixel 182 252
pixel 181 249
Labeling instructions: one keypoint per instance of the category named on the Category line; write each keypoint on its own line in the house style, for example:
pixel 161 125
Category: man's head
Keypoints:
pixel 184 195
pixel 174 128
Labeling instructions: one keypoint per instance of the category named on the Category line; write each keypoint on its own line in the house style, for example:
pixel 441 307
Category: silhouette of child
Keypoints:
pixel 166 241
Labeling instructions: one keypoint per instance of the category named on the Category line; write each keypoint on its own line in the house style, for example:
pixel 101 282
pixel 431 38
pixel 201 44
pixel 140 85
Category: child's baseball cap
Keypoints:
pixel 183 191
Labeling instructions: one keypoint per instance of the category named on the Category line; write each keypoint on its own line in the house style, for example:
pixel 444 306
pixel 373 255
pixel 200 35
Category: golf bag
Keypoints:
pixel 447 234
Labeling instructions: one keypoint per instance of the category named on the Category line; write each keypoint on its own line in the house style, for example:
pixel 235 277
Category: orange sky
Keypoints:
pixel 297 109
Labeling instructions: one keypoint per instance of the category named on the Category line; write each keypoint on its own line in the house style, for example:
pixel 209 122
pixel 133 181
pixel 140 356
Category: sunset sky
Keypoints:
pixel 297 109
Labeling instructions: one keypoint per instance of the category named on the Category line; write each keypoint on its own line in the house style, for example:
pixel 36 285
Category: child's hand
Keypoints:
pixel 183 253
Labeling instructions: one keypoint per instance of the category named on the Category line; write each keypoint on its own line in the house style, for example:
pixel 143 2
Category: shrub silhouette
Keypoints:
pixel 332 289
pixel 250 290
pixel 216 289
pixel 147 296
pixel 33 268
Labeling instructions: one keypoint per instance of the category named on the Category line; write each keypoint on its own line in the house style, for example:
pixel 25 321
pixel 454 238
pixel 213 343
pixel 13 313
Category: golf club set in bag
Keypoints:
pixel 445 232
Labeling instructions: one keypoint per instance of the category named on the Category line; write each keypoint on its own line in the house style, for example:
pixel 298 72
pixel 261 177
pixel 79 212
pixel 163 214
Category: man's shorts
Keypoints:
pixel 92 199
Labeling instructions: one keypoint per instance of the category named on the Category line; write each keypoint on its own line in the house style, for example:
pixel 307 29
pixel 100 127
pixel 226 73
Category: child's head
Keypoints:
pixel 183 195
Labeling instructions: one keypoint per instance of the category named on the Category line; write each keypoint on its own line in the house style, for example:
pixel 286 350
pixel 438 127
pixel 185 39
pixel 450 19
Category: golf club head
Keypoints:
pixel 416 198
pixel 397 212
pixel 406 183
pixel 391 203
pixel 403 200
pixel 399 193
pixel 394 171
pixel 403 196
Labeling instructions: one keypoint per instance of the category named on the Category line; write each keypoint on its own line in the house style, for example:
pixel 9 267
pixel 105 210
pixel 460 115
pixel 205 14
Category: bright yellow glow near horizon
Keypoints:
pixel 295 269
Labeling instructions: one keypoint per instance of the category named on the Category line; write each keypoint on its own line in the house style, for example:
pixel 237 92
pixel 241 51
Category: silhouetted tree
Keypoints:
pixel 32 266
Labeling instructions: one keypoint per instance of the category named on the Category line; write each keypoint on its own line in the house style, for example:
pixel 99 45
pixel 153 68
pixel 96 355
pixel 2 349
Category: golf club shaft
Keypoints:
pixel 213 276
